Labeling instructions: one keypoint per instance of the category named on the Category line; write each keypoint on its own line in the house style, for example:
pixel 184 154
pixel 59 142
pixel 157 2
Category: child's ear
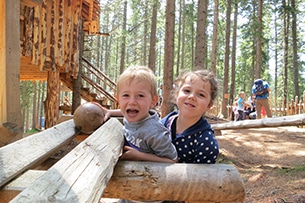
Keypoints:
pixel 210 104
pixel 154 101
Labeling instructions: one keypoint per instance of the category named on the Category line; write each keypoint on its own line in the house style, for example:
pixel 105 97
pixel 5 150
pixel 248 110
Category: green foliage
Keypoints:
pixel 138 35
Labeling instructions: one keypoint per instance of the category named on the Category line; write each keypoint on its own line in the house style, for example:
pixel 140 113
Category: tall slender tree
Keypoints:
pixel 153 30
pixel 200 53
pixel 167 106
pixel 214 39
pixel 227 58
pixel 295 49
pixel 124 32
pixel 233 61
pixel 259 39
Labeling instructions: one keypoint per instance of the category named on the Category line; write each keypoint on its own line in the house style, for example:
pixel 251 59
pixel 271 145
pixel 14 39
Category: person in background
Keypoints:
pixel 234 114
pixel 251 108
pixel 241 106
pixel 261 97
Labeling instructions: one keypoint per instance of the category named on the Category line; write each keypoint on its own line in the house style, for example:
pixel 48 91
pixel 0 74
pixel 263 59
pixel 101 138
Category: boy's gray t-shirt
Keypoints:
pixel 150 136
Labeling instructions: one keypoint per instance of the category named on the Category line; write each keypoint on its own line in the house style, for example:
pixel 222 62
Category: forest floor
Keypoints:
pixel 271 162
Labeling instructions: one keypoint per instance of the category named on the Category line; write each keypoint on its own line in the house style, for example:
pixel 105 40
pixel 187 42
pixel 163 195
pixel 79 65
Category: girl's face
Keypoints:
pixel 135 100
pixel 194 97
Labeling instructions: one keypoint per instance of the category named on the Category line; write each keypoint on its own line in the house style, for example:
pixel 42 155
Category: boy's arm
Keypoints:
pixel 132 154
pixel 111 113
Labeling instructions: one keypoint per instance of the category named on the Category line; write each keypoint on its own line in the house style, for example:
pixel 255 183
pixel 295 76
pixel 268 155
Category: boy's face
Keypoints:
pixel 135 100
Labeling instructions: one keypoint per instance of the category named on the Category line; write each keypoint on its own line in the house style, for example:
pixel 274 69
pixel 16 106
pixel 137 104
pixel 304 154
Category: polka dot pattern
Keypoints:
pixel 200 147
pixel 197 144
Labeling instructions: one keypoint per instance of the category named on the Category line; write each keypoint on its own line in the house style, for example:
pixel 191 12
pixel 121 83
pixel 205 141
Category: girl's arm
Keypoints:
pixel 132 154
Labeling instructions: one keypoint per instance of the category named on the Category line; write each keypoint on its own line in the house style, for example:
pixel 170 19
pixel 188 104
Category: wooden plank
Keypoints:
pixel 82 174
pixel 295 120
pixel 32 3
pixel 183 182
pixel 20 155
pixel 30 71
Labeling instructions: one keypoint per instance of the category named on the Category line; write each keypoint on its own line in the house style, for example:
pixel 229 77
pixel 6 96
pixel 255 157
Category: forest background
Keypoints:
pixel 238 40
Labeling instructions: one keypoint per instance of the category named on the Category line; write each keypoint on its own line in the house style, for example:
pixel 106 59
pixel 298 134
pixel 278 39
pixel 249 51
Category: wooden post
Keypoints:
pixel 9 66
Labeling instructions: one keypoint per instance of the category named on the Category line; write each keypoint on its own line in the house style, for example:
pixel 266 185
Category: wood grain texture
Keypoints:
pixel 82 174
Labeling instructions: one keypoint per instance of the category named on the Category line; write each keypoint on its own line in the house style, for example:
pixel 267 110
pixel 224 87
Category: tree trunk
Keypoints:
pixel 259 39
pixel 53 99
pixel 214 39
pixel 123 44
pixel 295 49
pixel 153 30
pixel 227 59
pixel 285 65
pixel 168 57
pixel 233 61
pixel 200 53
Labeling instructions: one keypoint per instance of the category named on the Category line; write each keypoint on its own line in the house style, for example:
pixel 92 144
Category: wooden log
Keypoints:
pixel 13 188
pixel 20 155
pixel 82 174
pixel 183 182
pixel 147 180
pixel 294 120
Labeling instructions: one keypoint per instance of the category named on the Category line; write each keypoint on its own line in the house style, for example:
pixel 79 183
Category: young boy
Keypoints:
pixel 143 131
pixel 137 95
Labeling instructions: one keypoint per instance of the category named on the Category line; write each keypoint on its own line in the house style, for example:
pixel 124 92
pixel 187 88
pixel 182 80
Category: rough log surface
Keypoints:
pixel 295 120
pixel 81 175
pixel 20 155
pixel 189 182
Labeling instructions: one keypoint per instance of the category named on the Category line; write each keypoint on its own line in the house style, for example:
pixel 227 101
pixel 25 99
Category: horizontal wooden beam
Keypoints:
pixel 17 157
pixel 183 182
pixel 148 181
pixel 32 3
pixel 29 71
pixel 295 120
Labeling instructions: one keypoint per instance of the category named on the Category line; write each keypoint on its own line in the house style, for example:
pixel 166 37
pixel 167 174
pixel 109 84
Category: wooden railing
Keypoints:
pixel 295 107
pixel 91 171
pixel 96 86
pixel 99 83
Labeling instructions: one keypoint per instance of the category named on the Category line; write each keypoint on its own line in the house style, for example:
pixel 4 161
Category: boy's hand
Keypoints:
pixel 131 154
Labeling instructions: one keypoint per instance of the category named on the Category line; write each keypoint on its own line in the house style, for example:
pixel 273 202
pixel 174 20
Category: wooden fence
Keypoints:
pixel 294 107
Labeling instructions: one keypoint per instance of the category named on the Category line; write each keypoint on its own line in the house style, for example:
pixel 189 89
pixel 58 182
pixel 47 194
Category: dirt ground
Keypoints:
pixel 271 162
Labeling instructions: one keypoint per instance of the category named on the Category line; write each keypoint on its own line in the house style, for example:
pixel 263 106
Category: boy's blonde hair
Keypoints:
pixel 139 73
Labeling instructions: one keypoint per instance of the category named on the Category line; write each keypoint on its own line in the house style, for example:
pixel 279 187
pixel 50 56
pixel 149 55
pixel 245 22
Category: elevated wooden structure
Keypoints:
pixel 92 171
pixel 47 37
